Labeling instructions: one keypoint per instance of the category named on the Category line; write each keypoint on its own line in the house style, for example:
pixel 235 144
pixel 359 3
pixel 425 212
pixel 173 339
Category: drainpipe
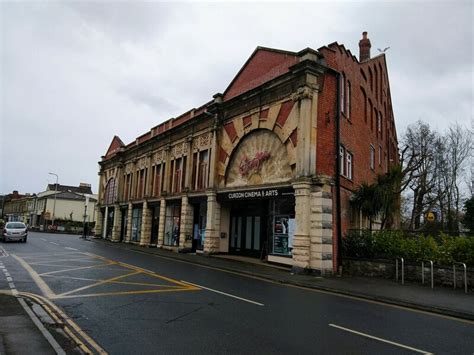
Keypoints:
pixel 338 175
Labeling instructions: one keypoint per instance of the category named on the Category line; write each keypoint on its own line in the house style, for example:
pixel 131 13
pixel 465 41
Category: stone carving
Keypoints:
pixel 158 157
pixel 303 92
pixel 270 162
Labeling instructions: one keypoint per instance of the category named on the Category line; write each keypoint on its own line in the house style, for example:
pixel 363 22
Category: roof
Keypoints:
pixel 76 189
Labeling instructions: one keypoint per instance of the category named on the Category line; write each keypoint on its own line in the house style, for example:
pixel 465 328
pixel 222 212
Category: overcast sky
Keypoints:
pixel 74 74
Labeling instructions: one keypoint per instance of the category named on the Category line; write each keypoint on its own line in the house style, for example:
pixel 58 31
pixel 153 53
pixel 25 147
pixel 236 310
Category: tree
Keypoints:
pixel 468 219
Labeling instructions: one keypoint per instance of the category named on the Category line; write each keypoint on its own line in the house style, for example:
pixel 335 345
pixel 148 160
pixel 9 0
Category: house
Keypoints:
pixel 265 169
pixel 61 205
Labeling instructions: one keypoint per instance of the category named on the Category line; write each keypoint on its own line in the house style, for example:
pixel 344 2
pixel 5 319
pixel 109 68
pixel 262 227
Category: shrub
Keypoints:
pixel 394 244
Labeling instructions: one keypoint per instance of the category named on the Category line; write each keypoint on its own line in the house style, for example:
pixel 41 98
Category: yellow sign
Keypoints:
pixel 430 217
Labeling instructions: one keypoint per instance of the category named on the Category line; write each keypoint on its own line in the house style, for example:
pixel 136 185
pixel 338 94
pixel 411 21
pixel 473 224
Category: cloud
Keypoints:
pixel 74 74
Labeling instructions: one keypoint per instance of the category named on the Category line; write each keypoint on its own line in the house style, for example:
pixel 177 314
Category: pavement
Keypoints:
pixel 440 300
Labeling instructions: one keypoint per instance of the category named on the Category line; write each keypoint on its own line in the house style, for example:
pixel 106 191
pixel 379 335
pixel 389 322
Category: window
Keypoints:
pixel 343 91
pixel 136 224
pixel 372 157
pixel 172 224
pixel 346 162
pixel 364 95
pixel 371 115
pixel 203 170
pixel 348 99
pixel 349 165
pixel 110 195
pixel 379 123
pixel 156 180
pixel 341 160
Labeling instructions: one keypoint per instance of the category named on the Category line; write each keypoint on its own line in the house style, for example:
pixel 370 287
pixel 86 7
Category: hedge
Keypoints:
pixel 395 244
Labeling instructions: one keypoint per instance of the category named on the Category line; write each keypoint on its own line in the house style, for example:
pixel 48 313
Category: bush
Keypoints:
pixel 395 244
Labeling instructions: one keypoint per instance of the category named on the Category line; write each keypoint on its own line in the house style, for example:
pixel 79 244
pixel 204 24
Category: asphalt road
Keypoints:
pixel 131 302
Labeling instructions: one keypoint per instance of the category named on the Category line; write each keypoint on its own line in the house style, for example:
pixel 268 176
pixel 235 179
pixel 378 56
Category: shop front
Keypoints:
pixel 262 222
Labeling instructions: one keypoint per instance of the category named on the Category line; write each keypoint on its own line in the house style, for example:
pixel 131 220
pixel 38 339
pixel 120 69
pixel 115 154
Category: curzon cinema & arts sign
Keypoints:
pixel 268 193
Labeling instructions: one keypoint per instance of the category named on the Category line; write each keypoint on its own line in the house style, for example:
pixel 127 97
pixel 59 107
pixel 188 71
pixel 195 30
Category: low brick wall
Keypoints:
pixel 443 275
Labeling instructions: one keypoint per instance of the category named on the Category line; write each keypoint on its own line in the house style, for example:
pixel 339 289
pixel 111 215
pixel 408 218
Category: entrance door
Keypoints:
pixel 155 224
pixel 247 229
pixel 123 227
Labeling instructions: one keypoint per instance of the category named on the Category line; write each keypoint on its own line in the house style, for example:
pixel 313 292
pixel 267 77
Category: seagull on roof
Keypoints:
pixel 384 50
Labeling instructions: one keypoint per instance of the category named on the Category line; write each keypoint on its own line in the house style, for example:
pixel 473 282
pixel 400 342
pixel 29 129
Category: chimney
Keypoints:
pixel 364 48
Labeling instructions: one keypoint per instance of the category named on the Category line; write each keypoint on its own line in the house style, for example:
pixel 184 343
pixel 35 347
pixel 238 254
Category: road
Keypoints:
pixel 131 302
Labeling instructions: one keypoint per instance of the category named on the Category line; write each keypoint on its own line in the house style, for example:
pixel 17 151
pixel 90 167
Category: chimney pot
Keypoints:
pixel 364 48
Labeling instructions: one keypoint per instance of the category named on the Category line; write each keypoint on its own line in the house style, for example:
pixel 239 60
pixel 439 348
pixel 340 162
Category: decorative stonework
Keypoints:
pixel 303 92
pixel 201 142
pixel 158 157
pixel 261 158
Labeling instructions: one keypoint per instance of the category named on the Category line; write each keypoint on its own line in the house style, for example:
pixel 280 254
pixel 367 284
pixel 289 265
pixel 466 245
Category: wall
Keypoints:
pixel 386 269
pixel 65 207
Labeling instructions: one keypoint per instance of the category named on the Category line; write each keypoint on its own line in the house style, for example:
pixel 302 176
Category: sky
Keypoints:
pixel 74 74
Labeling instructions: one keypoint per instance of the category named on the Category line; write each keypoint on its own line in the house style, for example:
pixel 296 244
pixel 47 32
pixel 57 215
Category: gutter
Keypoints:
pixel 338 174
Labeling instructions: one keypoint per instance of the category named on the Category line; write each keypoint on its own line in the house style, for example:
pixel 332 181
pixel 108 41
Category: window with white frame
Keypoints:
pixel 349 165
pixel 348 99
pixel 341 160
pixel 346 161
pixel 372 157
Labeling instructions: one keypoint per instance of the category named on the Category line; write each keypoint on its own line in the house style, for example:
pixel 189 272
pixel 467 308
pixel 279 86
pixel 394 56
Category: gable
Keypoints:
pixel 115 145
pixel 263 65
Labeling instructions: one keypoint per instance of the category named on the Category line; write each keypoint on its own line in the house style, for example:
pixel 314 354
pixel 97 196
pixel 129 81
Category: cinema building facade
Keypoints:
pixel 265 169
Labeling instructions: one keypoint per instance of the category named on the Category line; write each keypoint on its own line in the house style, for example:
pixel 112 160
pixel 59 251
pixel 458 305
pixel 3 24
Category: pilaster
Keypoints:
pixel 161 226
pixel 189 164
pixel 186 227
pixel 98 222
pixel 146 225
pixel 301 240
pixel 116 229
pixel 211 241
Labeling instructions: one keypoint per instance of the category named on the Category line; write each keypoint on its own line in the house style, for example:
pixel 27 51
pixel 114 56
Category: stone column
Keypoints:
pixel 149 182
pixel 161 226
pixel 212 241
pixel 307 113
pixel 116 229
pixel 145 234
pixel 128 235
pixel 321 249
pixel 106 220
pixel 301 240
pixel 98 222
pixel 186 220
pixel 212 158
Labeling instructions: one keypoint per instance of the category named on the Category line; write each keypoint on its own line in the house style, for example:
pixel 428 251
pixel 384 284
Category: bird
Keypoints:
pixel 384 50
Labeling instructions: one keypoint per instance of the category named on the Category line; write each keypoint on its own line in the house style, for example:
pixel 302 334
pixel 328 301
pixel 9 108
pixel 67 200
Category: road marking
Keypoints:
pixel 69 248
pixel 326 292
pixel 381 340
pixel 3 253
pixel 50 306
pixel 78 268
pixel 225 294
pixel 43 239
pixel 98 283
pixel 36 278
pixel 54 243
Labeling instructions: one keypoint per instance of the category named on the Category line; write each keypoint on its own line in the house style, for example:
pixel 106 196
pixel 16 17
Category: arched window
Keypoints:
pixel 110 195
pixel 343 92
pixel 348 99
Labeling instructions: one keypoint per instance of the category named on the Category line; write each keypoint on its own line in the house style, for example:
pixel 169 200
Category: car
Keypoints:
pixel 15 231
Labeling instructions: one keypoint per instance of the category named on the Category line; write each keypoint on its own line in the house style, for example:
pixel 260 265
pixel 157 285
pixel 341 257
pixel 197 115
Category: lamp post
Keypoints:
pixel 55 193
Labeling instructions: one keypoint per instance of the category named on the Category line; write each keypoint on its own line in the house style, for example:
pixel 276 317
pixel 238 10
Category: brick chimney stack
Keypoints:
pixel 364 48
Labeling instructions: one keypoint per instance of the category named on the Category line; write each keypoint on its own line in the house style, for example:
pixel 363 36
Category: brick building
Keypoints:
pixel 265 169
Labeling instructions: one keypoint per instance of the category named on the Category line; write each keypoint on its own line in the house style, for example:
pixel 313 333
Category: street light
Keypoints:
pixel 55 193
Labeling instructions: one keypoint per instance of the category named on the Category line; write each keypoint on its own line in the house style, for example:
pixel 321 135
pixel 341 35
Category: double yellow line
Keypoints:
pixel 84 341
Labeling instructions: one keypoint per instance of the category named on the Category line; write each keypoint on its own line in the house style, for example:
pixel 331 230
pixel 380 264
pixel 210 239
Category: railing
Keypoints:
pixel 423 272
pixel 465 275
pixel 403 269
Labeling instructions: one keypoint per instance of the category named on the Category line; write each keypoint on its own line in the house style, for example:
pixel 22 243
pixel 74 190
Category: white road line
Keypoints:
pixel 11 285
pixel 9 279
pixel 380 339
pixel 44 240
pixel 54 243
pixel 69 248
pixel 6 273
pixel 225 294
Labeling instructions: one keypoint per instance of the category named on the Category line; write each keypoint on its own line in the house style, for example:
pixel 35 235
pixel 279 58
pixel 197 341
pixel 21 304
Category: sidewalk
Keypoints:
pixel 18 333
pixel 440 300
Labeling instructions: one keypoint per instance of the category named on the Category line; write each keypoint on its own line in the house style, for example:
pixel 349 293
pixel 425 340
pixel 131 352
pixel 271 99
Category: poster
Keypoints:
pixel 280 244
pixel 291 231
pixel 281 225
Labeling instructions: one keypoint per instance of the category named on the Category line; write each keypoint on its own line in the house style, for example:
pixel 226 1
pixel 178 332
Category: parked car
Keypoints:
pixel 15 231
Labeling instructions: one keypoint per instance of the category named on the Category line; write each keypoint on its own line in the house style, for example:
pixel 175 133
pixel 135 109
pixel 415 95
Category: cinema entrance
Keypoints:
pixel 262 222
